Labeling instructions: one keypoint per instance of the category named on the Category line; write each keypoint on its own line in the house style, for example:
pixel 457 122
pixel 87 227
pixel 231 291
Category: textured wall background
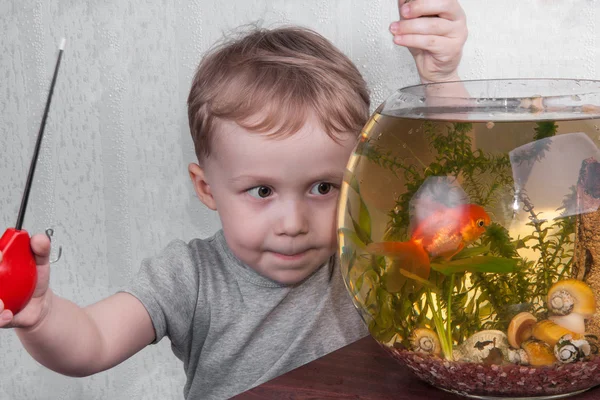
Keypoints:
pixel 112 176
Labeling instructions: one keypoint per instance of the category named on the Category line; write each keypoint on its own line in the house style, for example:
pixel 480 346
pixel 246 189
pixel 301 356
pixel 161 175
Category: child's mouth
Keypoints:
pixel 295 256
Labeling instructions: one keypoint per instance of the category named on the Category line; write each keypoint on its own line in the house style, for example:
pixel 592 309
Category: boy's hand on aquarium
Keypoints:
pixel 436 43
pixel 39 304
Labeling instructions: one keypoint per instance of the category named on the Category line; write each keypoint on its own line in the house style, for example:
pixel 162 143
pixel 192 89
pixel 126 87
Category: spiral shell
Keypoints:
pixel 569 350
pixel 571 296
pixel 423 340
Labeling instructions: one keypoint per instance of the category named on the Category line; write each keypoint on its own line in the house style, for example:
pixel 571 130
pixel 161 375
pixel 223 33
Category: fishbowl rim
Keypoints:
pixel 452 101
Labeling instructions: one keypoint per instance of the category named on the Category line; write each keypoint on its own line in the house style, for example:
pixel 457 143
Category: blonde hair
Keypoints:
pixel 281 74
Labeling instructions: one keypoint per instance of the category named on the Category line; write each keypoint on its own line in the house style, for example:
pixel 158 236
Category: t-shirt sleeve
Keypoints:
pixel 167 285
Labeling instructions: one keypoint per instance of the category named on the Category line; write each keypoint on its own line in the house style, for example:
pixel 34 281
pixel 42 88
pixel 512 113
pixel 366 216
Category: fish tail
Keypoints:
pixel 397 249
pixel 410 253
pixel 410 264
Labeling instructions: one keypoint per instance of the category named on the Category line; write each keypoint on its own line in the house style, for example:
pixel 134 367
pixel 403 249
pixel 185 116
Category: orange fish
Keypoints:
pixel 443 233
pixel 448 230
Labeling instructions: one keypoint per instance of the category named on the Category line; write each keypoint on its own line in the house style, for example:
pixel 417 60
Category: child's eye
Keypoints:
pixel 321 188
pixel 260 192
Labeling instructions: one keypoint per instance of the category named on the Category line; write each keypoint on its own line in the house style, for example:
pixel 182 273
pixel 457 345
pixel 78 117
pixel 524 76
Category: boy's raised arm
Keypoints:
pixel 77 341
pixel 435 41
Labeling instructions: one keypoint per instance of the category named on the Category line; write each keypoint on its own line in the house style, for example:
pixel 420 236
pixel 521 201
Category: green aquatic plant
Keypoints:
pixel 554 243
pixel 538 147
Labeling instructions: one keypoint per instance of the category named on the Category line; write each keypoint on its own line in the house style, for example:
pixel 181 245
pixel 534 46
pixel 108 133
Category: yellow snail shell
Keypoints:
pixel 423 340
pixel 573 322
pixel 550 332
pixel 571 296
pixel 538 353
pixel 520 328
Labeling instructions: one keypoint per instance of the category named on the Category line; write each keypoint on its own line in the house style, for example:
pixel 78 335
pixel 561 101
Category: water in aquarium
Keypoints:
pixel 472 250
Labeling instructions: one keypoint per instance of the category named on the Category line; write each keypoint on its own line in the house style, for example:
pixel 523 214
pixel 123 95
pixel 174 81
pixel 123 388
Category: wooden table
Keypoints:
pixel 361 370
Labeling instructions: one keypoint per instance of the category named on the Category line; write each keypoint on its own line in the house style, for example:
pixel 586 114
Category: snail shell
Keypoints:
pixel 538 353
pixel 423 340
pixel 520 328
pixel 550 332
pixel 569 350
pixel 518 356
pixel 573 322
pixel 571 296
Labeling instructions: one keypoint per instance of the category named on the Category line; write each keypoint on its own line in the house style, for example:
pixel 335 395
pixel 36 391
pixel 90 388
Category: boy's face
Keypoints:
pixel 276 197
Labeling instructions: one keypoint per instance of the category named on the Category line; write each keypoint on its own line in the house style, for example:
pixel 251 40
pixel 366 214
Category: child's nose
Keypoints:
pixel 294 218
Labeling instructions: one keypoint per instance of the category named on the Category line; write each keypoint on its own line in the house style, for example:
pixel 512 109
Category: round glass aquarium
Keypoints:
pixel 469 231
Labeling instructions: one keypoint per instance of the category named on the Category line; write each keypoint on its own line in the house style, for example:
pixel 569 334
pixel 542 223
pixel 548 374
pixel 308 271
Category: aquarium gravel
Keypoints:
pixel 500 380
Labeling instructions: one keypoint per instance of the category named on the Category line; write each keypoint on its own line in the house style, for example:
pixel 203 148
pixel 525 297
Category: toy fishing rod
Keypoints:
pixel 18 271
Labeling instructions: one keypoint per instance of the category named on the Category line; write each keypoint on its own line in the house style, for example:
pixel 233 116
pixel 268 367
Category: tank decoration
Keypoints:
pixel 568 349
pixel 586 262
pixel 520 328
pixel 425 340
pixel 483 347
pixel 570 303
pixel 537 353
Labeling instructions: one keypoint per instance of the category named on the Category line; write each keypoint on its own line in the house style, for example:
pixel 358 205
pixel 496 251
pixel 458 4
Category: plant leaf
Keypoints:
pixel 353 182
pixel 353 237
pixel 364 220
pixel 385 318
pixel 363 225
pixel 417 278
pixel 499 265
pixel 364 235
pixel 472 252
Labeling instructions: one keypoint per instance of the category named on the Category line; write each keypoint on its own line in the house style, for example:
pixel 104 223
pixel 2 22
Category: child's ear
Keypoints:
pixel 201 185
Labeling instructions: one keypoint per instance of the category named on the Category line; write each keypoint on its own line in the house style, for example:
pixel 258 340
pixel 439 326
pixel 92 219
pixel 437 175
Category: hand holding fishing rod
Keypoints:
pixel 20 256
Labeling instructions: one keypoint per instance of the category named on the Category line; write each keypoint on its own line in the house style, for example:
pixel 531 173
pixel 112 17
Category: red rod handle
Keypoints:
pixel 18 271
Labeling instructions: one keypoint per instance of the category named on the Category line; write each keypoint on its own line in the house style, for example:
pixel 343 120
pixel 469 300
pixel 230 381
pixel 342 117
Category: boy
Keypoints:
pixel 274 117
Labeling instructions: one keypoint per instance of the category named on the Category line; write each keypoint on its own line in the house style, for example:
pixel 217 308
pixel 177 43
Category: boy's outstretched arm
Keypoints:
pixel 436 41
pixel 72 340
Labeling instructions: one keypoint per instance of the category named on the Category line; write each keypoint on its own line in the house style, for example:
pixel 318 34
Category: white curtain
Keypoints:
pixel 112 175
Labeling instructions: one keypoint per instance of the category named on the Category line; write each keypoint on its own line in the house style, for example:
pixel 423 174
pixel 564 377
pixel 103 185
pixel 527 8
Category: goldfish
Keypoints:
pixel 448 230
pixel 443 233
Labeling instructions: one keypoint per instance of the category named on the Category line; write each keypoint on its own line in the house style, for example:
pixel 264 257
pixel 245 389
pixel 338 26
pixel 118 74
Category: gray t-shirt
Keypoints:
pixel 235 329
